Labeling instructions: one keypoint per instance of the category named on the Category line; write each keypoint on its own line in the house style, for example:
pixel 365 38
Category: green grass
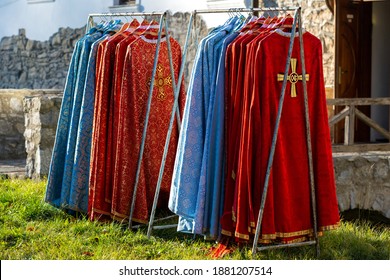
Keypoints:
pixel 33 229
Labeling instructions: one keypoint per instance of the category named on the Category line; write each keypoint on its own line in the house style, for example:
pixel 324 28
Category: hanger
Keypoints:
pixel 286 23
pixel 141 28
pixel 153 30
pixel 133 25
pixel 113 26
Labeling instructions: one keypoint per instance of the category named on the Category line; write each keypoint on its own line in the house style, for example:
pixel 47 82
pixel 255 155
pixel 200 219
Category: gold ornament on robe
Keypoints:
pixel 161 82
pixel 293 78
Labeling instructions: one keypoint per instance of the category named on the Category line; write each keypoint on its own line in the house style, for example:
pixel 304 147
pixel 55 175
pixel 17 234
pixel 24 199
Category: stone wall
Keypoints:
pixel 41 113
pixel 178 26
pixel 33 64
pixel 43 65
pixel 12 124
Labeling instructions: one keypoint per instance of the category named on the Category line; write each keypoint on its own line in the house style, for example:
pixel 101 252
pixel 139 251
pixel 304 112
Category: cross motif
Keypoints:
pixel 161 82
pixel 293 77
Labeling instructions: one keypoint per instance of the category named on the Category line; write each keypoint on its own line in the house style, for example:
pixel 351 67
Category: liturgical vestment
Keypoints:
pixel 287 214
pixel 136 81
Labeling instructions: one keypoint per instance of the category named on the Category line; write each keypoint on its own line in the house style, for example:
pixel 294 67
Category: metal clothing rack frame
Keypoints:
pixel 176 88
pixel 297 20
pixel 255 248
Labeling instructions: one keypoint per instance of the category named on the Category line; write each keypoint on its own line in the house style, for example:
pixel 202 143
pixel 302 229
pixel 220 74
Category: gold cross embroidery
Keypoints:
pixel 293 77
pixel 161 82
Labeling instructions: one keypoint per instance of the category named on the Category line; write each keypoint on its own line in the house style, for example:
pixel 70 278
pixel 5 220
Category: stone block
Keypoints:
pixel 41 113
pixel 56 39
pixel 5 126
pixel 16 104
pixel 30 45
pixel 6 43
pixel 362 181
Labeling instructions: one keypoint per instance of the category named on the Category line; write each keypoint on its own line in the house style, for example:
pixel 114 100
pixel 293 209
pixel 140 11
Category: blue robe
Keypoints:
pixel 190 178
pixel 56 170
pixel 215 161
pixel 80 175
pixel 58 190
pixel 74 123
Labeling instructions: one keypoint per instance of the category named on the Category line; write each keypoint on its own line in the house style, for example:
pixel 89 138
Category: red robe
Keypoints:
pixel 238 71
pixel 135 91
pixel 101 179
pixel 287 214
pixel 94 172
pixel 121 52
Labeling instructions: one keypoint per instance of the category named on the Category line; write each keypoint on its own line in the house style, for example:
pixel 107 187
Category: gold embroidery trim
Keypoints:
pixel 242 236
pixel 225 232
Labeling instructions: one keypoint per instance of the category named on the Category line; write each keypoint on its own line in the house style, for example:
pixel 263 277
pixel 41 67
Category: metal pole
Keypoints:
pixel 127 14
pixel 275 136
pixel 308 135
pixel 141 152
pixel 178 119
pixel 175 105
pixel 298 244
pixel 246 10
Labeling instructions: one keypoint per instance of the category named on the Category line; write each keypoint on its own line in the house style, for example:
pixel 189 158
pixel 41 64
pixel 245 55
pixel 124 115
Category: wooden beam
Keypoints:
pixel 358 101
pixel 361 148
pixel 351 126
pixel 335 119
pixel 372 124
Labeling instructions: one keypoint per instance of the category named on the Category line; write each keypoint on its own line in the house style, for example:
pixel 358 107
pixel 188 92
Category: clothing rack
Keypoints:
pixel 297 21
pixel 176 88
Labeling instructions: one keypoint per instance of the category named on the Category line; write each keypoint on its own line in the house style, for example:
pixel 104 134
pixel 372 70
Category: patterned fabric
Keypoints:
pixel 67 186
pixel 60 172
pixel 74 122
pixel 192 166
pixel 80 176
pixel 216 148
pixel 138 73
pixel 101 182
pixel 121 51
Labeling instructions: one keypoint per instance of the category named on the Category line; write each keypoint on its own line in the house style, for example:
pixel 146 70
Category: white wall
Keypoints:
pixel 173 5
pixel 43 19
pixel 380 79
